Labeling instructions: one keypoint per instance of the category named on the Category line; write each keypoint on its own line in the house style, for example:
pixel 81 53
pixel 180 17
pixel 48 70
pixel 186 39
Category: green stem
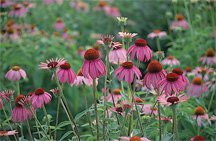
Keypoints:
pixel 37 127
pixel 29 130
pixel 175 127
pixel 21 129
pixel 158 43
pixel 18 87
pixel 160 128
pixel 48 122
pixel 130 124
pixel 57 117
pixel 95 108
pixel 66 108
pixel 211 100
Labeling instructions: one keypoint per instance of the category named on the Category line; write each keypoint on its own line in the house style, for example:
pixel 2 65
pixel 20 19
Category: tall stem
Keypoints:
pixel 174 128
pixel 158 43
pixel 95 108
pixel 37 127
pixel 29 130
pixel 48 122
pixel 211 100
pixel 160 128
pixel 66 108
pixel 57 117
pixel 18 87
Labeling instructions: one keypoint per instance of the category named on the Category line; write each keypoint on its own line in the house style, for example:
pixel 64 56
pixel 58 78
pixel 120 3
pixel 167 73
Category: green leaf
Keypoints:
pixel 65 135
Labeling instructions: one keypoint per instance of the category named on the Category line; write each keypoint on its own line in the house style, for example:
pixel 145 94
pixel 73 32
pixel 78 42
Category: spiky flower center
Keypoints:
pixel 102 3
pixel 10 30
pixel 2 1
pixel 18 99
pixel 16 68
pixel 52 64
pixel 26 4
pixel 170 57
pixel 199 111
pixel 39 91
pixel 116 91
pixel 179 17
pixel 157 31
pixel 126 106
pixel 65 66
pixel 80 73
pixel 172 77
pixel 138 100
pixel 177 71
pixel 135 138
pixel 154 67
pixel 96 47
pixel 91 54
pixel 197 81
pixel 119 109
pixel 188 69
pixel 210 52
pixel 173 99
pixel 107 38
pixel 59 20
pixel 140 42
pixel 199 138
pixel 17 7
pixel 127 65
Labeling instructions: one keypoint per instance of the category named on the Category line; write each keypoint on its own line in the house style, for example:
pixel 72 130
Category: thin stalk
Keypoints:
pixel 38 122
pixel 95 108
pixel 29 130
pixel 130 124
pixel 57 117
pixel 37 127
pixel 158 43
pixel 8 122
pixel 160 127
pixel 21 129
pixel 88 114
pixel 66 108
pixel 174 127
pixel 18 87
pixel 48 122
pixel 211 100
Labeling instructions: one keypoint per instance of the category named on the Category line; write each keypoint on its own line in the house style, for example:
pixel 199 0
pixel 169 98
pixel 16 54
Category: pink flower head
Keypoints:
pixel 140 50
pixel 117 109
pixel 112 11
pixel 134 138
pixel 181 76
pixel 127 71
pixel 93 66
pixel 114 96
pixel 127 35
pixel 52 63
pixel 200 114
pixel 118 54
pixel 8 133
pixel 157 33
pixel 155 73
pixel 40 97
pixel 197 87
pixel 59 24
pixel 66 74
pixel 148 109
pixel 59 2
pixel 203 72
pixel 18 11
pixel 179 23
pixel 209 58
pixel 48 2
pixel 15 73
pixel 171 61
pixel 82 80
pixel 198 138
pixel 171 100
pixel 105 39
pixel 171 84
pixel 5 3
pixel 6 94
pixel 20 113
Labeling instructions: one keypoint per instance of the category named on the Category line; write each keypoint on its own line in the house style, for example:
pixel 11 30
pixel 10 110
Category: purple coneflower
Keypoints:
pixel 65 73
pixel 171 84
pixel 40 97
pixel 20 113
pixel 93 66
pixel 115 95
pixel 197 87
pixel 18 11
pixel 170 61
pixel 118 54
pixel 179 23
pixel 59 24
pixel 51 63
pixel 82 80
pixel 157 33
pixel 200 114
pixel 127 71
pixel 171 100
pixel 155 73
pixel 133 138
pixel 140 50
pixel 209 57
pixel 15 73
pixel 181 75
